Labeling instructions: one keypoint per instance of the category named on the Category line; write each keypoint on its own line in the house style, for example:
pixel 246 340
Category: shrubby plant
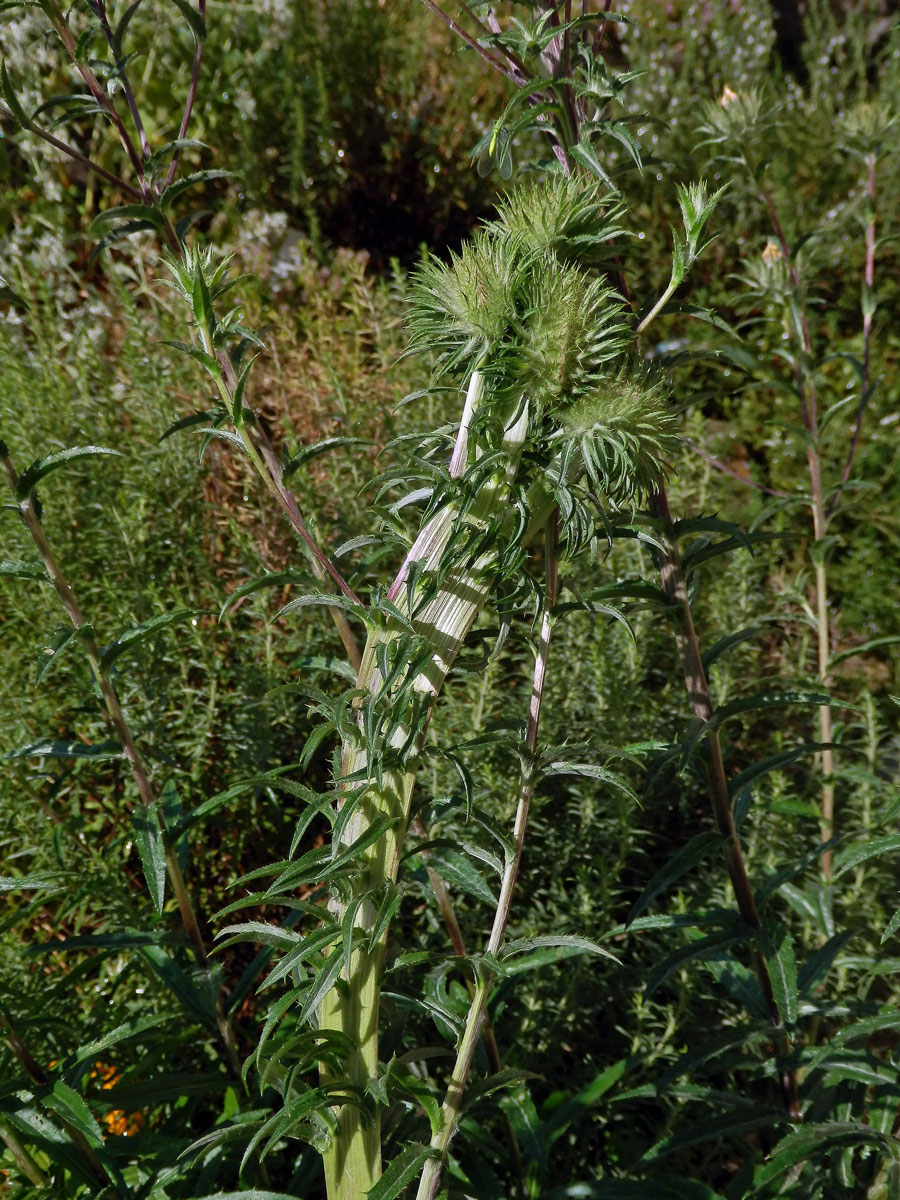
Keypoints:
pixel 528 522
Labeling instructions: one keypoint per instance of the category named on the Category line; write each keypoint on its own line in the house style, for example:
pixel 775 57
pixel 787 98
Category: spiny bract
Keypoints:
pixel 524 304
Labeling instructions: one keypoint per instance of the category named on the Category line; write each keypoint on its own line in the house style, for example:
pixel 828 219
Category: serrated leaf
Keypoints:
pixel 694 852
pixel 205 360
pixel 136 633
pixel 67 1103
pixel 60 749
pixel 461 873
pixel 569 942
pixel 23 570
pixel 149 841
pixel 811 1141
pixel 778 948
pixel 401 1171
pixel 42 467
pixel 860 852
pixel 308 453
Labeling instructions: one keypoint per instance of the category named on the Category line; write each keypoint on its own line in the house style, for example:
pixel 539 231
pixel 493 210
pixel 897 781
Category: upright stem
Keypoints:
pixel 123 732
pixel 440 1142
pixel 191 97
pixel 23 1159
pixel 675 587
pixel 868 313
pixel 100 8
pixel 809 406
pixel 353 1161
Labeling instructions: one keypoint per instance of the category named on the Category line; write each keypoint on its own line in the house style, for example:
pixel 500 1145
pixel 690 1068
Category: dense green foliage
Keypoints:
pixel 657 1075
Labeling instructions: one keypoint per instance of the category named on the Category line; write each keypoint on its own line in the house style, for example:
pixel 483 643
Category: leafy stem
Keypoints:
pixel 449 1118
pixel 122 730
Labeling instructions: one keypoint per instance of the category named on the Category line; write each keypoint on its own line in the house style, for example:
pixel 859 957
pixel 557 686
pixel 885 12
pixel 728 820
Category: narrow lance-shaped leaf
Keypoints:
pixel 401 1171
pixel 42 467
pixel 148 838
pixel 694 852
pixel 137 633
pixel 778 948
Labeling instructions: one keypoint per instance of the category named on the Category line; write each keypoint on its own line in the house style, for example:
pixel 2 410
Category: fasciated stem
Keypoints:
pixel 442 619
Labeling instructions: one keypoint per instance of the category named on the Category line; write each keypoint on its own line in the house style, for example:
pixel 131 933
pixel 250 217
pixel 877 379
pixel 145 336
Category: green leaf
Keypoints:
pixel 573 1110
pixel 308 453
pixel 569 942
pixel 136 633
pixel 41 467
pixel 460 872
pixel 723 645
pixel 586 156
pixel 860 852
pixel 865 648
pixel 8 296
pixel 714 945
pixel 201 300
pixel 174 190
pixel 23 570
pixel 774 763
pixel 149 841
pixel 12 99
pixel 812 1141
pixel 129 212
pixel 401 1171
pixel 591 771
pixel 272 579
pixel 51 652
pixel 47 749
pixel 695 851
pixel 252 1194
pixel 28 883
pixel 778 948
pixel 197 418
pixel 198 998
pixel 67 1103
pixel 195 22
pixel 892 926
pixel 205 360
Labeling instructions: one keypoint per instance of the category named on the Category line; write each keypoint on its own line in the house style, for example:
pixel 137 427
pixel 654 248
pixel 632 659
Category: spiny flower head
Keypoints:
pixel 575 219
pixel 625 431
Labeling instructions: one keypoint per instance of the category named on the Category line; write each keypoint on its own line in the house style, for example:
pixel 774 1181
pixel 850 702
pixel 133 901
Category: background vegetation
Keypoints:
pixel 348 128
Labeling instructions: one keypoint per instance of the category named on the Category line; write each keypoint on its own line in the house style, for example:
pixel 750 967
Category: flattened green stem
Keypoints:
pixel 440 1142
pixel 353 1161
pixel 123 732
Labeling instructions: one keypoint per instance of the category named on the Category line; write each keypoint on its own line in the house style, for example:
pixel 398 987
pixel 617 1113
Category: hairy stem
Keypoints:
pixel 443 617
pixel 440 1142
